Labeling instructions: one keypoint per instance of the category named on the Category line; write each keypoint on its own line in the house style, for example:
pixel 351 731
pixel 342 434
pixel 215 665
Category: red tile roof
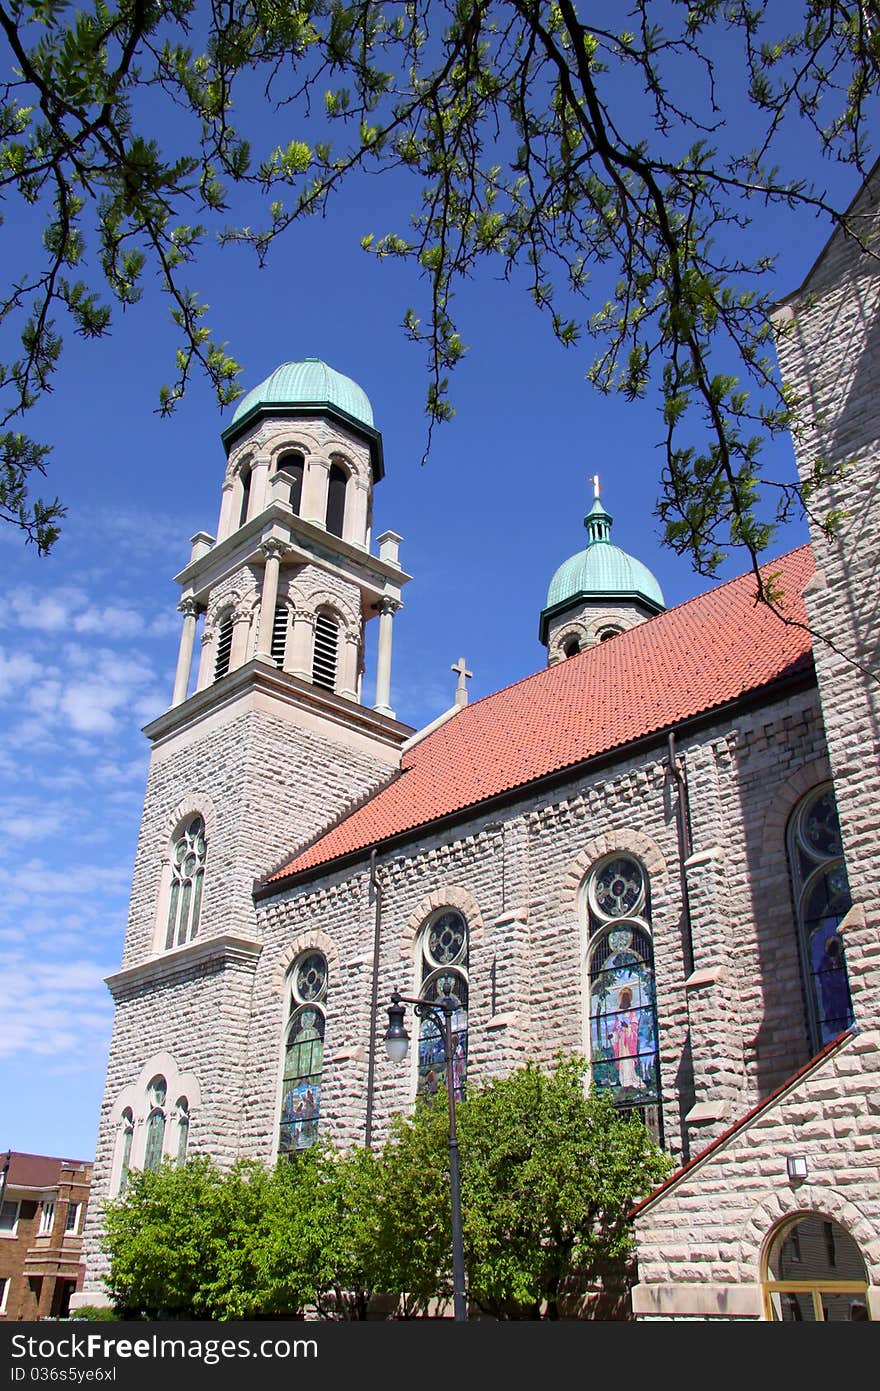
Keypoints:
pixel 692 659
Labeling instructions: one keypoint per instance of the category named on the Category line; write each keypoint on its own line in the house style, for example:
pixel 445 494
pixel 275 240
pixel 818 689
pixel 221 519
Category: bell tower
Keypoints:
pixel 268 739
pixel 290 580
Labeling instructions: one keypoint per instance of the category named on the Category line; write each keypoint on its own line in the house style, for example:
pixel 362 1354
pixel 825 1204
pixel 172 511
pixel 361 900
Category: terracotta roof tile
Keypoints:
pixel 703 654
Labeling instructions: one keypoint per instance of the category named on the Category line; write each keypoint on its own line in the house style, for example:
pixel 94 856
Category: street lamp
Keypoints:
pixel 397 1046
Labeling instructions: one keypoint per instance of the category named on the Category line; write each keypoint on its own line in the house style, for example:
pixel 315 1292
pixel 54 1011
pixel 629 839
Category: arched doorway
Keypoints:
pixel 814 1273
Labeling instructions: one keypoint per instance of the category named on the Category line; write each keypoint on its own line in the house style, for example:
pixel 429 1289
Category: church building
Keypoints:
pixel 658 851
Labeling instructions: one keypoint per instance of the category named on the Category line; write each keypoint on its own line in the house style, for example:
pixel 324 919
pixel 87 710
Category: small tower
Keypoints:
pixel 597 593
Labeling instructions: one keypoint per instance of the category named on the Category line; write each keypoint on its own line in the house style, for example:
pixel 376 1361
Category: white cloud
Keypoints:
pixel 110 622
pixel 70 609
pixel 39 880
pixel 16 670
pixel 52 1008
pixel 34 825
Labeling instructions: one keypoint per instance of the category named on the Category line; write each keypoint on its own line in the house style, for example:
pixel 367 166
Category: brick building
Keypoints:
pixel 658 851
pixel 44 1205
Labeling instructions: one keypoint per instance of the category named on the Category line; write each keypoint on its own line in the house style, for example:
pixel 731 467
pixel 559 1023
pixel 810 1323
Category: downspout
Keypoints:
pixel 376 889
pixel 682 822
pixel 683 828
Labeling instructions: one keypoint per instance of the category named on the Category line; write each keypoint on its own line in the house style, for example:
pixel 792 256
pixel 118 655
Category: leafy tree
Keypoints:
pixel 548 1176
pixel 195 1242
pixel 609 159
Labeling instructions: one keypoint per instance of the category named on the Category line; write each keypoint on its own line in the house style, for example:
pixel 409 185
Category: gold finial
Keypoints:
pixel 596 486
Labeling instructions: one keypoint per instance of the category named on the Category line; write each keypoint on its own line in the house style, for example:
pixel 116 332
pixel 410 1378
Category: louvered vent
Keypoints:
pixel 224 648
pixel 326 644
pixel 279 635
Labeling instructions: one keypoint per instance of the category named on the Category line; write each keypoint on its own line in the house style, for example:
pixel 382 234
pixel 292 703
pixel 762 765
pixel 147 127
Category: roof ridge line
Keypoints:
pixel 695 598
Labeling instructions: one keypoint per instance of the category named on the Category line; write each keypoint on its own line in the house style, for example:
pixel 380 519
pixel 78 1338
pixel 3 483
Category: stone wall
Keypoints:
pixel 703 1244
pixel 516 875
pixel 829 350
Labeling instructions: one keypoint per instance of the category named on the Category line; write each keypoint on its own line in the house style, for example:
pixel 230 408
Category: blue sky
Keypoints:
pixel 88 636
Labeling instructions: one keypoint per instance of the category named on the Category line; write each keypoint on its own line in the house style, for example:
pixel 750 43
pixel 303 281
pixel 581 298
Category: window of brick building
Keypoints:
pixel 9 1219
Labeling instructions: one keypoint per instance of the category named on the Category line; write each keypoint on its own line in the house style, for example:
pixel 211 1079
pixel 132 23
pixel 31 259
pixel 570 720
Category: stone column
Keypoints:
pixel 316 481
pixel 185 651
pixel 241 626
pixel 227 505
pixel 302 644
pixel 354 525
pixel 259 487
pixel 206 659
pixel 349 672
pixel 387 609
pixel 273 551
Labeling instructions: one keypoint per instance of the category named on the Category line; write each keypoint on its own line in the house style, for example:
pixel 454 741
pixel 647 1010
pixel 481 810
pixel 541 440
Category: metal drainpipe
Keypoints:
pixel 682 822
pixel 374 1000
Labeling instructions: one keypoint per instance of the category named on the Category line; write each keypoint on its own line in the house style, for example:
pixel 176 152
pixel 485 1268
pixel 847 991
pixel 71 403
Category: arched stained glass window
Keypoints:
pixel 127 1135
pixel 822 898
pixel 188 856
pixel 303 1054
pixel 156 1093
pixel 623 1044
pixel 336 485
pixel 292 467
pixel 182 1129
pixel 444 971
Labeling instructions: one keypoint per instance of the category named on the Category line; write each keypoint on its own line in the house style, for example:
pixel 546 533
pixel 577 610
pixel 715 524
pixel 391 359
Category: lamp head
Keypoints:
pixel 396 1038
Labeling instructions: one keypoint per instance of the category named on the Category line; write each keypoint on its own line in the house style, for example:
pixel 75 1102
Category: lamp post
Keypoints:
pixel 397 1046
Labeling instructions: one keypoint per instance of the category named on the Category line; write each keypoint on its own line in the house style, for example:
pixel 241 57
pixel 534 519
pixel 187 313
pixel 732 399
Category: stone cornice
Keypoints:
pixel 226 950
pixel 599 600
pixel 279 522
pixel 260 676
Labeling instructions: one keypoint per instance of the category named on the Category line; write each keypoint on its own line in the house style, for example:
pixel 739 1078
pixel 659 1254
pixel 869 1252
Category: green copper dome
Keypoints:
pixel 602 569
pixel 308 383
